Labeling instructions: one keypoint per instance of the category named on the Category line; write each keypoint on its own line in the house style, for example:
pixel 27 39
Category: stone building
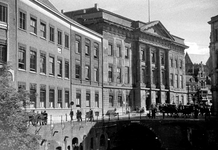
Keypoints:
pixel 51 56
pixel 214 61
pixel 143 63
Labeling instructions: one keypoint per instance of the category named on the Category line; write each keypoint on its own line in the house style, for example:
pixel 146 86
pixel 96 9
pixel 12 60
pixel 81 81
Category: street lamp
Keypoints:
pixel 71 103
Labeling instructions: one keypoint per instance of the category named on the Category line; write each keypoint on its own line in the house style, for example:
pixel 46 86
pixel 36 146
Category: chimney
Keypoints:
pixel 96 6
pixel 62 11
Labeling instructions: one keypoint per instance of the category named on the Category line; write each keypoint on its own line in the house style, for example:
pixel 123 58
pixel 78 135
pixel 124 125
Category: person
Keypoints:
pixel 45 115
pixel 71 114
pixel 79 115
pixel 153 111
pixel 142 110
pixel 91 115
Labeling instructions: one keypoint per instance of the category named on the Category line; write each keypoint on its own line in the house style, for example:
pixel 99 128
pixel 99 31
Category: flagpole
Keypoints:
pixel 148 10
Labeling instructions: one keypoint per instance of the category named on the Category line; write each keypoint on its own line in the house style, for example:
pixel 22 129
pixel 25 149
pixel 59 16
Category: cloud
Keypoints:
pixel 194 48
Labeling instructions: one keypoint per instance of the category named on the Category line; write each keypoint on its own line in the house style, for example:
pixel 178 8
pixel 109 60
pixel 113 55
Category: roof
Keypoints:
pixel 198 58
pixel 49 5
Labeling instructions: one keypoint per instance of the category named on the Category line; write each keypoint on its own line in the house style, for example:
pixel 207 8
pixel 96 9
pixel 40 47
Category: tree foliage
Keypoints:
pixel 13 119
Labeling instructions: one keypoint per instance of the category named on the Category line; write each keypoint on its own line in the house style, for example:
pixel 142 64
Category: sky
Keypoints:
pixel 187 19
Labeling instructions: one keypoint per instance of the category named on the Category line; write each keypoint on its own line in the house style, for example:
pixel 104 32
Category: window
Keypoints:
pixel 153 57
pixel 143 75
pixel 51 66
pixel 21 86
pixel 120 102
pixel 87 72
pixel 51 34
pixel 126 75
pixel 216 35
pixel 22 20
pixel 153 77
pixel 77 71
pixel 33 61
pixel 171 79
pixel 78 98
pixel 33 25
pixel 142 54
pixel 66 41
pixel 67 98
pixel 78 47
pixel 22 57
pixel 162 59
pixel 181 64
pixel 181 81
pixel 96 74
pixel 110 74
pixel 118 75
pixel 3 13
pixel 96 50
pixel 111 101
pixel 32 95
pixel 96 99
pixel 3 53
pixel 171 62
pixel 176 62
pixel 110 50
pixel 60 98
pixel 126 52
pixel 67 68
pixel 119 51
pixel 43 63
pixel 177 80
pixel 163 77
pixel 87 48
pixel 59 68
pixel 42 96
pixel 43 30
pixel 59 37
pixel 51 98
pixel 87 98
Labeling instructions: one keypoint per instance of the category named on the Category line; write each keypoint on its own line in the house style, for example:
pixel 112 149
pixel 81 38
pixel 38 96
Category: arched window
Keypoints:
pixel 75 143
pixel 58 148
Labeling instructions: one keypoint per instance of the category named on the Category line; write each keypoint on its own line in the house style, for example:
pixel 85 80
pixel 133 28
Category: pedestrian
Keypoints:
pixel 91 115
pixel 77 115
pixel 71 114
pixel 80 115
pixel 45 115
pixel 153 111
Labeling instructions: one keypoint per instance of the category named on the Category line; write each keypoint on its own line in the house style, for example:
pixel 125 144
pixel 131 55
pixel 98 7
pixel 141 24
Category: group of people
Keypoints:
pixel 89 115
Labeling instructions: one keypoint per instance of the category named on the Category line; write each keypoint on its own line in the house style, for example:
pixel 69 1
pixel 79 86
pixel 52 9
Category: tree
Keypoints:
pixel 13 119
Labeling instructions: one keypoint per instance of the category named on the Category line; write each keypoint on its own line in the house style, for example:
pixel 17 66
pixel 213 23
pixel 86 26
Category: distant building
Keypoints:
pixel 143 63
pixel 198 82
pixel 214 61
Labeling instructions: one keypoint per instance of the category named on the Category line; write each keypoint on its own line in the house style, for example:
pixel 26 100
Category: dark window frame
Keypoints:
pixel 3 12
pixel 22 63
pixel 22 20
pixel 33 60
pixel 33 27
pixel 51 33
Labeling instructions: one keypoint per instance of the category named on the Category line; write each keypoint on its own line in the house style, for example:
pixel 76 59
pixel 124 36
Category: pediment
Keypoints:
pixel 156 28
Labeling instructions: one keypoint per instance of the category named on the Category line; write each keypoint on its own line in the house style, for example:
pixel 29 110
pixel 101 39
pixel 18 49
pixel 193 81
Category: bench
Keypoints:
pixel 111 113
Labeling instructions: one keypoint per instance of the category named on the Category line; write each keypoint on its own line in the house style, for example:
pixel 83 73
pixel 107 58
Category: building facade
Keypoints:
pixel 44 49
pixel 143 64
pixel 214 61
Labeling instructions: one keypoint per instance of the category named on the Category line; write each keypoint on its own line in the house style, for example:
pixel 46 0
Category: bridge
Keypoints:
pixel 130 133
